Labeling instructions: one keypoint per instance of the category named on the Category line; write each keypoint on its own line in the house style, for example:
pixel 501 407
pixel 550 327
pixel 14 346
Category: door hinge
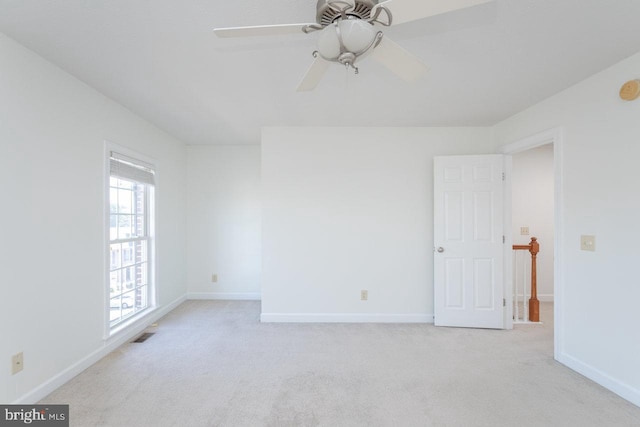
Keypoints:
pixel 504 240
pixel 504 302
pixel 503 176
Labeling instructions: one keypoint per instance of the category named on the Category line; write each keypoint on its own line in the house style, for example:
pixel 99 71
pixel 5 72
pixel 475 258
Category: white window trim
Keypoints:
pixel 110 332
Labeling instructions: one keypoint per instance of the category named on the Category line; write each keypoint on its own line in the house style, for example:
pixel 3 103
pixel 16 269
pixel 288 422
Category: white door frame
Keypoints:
pixel 553 136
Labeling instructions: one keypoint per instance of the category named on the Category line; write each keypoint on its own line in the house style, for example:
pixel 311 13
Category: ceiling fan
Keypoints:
pixel 350 30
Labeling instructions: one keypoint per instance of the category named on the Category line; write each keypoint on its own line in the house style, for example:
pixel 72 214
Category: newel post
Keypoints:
pixel 534 304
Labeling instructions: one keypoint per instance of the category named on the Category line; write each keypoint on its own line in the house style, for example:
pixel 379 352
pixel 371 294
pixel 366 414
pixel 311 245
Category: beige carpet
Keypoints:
pixel 211 363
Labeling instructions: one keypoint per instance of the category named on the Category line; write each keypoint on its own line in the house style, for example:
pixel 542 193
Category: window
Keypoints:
pixel 131 194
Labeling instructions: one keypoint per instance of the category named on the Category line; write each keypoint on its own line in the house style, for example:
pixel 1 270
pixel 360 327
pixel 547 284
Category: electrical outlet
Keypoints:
pixel 588 243
pixel 214 278
pixel 364 295
pixel 17 363
pixel 524 231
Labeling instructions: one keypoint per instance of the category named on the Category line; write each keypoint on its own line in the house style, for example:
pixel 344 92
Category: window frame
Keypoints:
pixel 150 226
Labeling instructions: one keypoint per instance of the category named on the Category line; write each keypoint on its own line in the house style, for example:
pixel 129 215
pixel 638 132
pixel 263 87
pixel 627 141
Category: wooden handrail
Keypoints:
pixel 534 305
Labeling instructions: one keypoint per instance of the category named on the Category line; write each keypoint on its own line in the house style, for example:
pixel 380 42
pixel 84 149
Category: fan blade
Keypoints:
pixel 412 10
pixel 262 30
pixel 314 75
pixel 399 60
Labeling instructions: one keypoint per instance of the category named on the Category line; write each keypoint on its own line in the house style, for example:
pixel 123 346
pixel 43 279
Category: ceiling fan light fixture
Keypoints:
pixel 347 40
pixel 329 43
pixel 357 35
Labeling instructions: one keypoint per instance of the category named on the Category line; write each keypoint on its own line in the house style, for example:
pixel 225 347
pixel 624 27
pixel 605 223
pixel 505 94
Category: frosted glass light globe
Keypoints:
pixel 356 35
pixel 329 43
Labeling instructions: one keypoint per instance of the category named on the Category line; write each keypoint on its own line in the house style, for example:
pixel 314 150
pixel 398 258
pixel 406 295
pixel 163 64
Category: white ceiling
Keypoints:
pixel 160 59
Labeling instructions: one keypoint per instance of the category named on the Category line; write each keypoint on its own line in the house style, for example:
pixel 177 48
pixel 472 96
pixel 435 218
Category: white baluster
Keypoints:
pixel 525 300
pixel 515 287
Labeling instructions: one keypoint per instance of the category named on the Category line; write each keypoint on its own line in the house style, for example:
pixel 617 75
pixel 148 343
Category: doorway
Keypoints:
pixel 532 217
pixel 527 153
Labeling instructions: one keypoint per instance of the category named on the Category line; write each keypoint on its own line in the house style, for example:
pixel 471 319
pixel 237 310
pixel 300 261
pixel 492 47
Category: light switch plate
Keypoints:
pixel 588 243
pixel 524 231
pixel 17 363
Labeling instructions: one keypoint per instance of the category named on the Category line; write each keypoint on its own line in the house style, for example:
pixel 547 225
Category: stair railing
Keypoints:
pixel 531 307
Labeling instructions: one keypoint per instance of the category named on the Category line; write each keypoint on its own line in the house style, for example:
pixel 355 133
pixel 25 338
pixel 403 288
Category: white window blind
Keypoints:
pixel 125 167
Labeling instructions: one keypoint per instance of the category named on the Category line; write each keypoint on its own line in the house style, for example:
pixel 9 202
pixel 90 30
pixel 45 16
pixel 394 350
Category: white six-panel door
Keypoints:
pixel 468 237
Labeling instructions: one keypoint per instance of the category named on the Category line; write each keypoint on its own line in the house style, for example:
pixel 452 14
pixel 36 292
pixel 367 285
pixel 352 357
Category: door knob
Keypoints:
pixel 440 249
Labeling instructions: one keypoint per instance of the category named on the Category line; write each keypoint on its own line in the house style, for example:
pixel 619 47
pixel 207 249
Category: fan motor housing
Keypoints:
pixel 327 13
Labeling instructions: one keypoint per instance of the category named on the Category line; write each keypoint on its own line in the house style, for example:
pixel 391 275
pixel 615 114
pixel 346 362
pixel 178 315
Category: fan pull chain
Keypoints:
pixel 346 76
pixel 346 68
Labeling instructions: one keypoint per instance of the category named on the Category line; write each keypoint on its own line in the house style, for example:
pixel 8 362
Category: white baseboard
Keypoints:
pixel 621 389
pixel 240 296
pixel 344 318
pixel 126 335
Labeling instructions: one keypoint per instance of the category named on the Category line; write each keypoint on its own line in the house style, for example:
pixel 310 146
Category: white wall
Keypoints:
pixel 347 209
pixel 224 222
pixel 599 326
pixel 52 256
pixel 532 206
